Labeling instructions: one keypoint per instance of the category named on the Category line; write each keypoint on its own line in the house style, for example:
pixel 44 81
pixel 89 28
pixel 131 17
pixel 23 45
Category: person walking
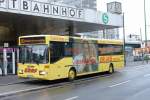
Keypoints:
pixel 146 58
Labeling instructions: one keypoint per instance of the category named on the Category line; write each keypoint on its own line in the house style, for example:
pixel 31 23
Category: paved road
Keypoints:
pixel 132 83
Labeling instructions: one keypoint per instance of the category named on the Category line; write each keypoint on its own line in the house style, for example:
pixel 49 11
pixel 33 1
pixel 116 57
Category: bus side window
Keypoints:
pixel 59 50
pixel 109 49
pixel 100 49
pixel 68 49
pixel 56 51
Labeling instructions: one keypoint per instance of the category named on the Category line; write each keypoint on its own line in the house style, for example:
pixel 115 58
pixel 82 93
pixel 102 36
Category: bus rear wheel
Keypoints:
pixel 71 75
pixel 111 69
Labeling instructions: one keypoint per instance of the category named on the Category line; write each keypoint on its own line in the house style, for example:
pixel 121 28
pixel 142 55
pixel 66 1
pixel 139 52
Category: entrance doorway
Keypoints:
pixel 8 60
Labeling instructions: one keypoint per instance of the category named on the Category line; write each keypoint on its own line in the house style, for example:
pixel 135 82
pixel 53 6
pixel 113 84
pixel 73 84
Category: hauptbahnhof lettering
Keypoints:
pixel 42 8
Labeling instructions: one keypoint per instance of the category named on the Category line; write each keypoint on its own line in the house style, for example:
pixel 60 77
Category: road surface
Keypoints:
pixel 131 83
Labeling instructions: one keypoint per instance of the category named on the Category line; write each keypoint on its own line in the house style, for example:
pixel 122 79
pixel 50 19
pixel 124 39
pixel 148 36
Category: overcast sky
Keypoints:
pixel 134 15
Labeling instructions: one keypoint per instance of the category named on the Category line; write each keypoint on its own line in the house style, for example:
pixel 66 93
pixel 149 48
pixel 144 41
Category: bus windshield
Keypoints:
pixel 34 54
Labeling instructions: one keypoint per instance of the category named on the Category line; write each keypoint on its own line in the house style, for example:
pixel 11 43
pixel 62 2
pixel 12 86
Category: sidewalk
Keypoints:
pixel 130 62
pixel 136 63
pixel 12 79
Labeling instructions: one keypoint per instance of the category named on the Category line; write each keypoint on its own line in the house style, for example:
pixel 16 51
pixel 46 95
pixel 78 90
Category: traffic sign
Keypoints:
pixel 105 18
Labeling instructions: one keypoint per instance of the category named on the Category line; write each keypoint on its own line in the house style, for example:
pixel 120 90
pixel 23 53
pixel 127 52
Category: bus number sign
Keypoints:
pixel 32 40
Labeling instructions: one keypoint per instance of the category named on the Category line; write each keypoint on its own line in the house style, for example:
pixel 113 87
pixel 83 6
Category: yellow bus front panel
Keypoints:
pixel 39 71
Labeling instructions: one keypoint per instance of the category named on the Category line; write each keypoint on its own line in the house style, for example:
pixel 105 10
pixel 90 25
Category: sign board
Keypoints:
pixel 40 8
pixel 32 40
pixel 6 45
pixel 105 18
pixel 114 7
pixel 113 20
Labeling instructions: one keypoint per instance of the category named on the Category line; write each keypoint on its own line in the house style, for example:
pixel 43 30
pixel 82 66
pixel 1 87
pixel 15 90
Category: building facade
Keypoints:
pixel 34 17
pixel 109 34
pixel 89 4
pixel 132 42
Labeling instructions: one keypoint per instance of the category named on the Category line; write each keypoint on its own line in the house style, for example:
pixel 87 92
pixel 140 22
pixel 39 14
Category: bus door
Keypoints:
pixel 56 54
pixel 60 51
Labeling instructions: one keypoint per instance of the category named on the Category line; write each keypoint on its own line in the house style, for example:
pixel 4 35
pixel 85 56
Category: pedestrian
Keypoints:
pixel 146 58
pixel 1 66
pixel 143 57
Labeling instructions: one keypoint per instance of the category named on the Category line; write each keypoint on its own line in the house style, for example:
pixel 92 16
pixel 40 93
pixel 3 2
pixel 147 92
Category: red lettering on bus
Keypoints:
pixel 85 61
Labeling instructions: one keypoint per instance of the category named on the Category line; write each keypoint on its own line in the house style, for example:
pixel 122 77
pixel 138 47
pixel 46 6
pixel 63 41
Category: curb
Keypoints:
pixel 16 83
pixel 2 95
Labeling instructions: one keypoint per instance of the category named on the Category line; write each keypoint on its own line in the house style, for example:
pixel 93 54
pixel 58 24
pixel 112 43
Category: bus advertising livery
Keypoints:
pixel 51 57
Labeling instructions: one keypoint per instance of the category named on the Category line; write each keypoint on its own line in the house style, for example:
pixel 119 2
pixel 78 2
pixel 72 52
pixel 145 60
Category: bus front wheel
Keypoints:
pixel 71 74
pixel 111 69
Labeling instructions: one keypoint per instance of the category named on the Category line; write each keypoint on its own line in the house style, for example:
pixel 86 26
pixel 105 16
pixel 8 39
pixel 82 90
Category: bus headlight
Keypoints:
pixel 20 71
pixel 42 72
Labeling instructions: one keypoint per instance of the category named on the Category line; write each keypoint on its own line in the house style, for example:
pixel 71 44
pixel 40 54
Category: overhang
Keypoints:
pixel 33 16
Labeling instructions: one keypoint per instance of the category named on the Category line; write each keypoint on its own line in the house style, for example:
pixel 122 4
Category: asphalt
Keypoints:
pixel 131 83
pixel 13 79
pixel 9 81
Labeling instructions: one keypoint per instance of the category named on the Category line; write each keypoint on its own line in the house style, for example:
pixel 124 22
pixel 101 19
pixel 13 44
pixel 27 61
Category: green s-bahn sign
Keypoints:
pixel 105 18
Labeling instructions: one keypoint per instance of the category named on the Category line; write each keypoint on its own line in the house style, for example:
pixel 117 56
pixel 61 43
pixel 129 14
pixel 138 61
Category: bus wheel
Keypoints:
pixel 111 69
pixel 71 74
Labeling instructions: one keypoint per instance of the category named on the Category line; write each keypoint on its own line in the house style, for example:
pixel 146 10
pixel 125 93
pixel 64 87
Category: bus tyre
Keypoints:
pixel 111 69
pixel 71 75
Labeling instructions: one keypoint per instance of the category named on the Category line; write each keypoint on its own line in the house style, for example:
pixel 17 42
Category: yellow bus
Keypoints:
pixel 51 57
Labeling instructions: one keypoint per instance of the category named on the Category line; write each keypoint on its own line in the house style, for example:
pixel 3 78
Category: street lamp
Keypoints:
pixel 145 24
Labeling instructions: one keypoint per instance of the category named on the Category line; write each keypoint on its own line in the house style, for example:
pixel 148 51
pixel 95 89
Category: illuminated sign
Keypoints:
pixel 41 8
pixel 32 40
pixel 105 18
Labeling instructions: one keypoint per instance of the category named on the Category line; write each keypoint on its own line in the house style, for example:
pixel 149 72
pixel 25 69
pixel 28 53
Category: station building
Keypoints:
pixel 32 17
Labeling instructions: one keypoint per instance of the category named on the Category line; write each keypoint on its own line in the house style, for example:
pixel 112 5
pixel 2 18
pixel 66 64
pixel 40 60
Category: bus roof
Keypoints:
pixel 33 36
pixel 110 41
pixel 62 38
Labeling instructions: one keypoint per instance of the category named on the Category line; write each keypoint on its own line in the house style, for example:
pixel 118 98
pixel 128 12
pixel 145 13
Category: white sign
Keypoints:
pixel 114 7
pixel 42 8
pixel 6 45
